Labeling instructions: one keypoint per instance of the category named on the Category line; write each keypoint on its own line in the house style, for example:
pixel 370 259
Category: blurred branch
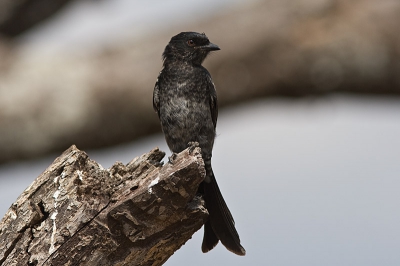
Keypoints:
pixel 18 16
pixel 77 213
pixel 268 48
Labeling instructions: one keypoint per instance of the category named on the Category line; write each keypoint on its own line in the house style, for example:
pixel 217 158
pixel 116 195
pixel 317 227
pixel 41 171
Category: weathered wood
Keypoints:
pixel 77 213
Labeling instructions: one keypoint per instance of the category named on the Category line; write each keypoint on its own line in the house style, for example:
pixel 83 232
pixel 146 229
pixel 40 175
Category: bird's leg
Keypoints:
pixel 192 145
pixel 172 158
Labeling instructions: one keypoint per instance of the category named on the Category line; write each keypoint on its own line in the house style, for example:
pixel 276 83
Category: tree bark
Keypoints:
pixel 77 213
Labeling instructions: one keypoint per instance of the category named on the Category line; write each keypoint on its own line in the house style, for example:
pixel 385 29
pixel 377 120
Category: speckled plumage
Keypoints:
pixel 185 100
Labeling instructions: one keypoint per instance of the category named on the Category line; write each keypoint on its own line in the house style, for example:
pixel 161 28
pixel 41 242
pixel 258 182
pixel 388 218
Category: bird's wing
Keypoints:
pixel 156 97
pixel 213 104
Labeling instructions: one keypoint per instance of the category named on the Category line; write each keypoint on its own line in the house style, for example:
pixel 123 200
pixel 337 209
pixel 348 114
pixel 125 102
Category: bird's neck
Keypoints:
pixel 179 64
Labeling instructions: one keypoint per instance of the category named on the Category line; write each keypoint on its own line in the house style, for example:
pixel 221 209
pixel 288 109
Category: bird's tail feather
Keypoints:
pixel 220 224
pixel 210 240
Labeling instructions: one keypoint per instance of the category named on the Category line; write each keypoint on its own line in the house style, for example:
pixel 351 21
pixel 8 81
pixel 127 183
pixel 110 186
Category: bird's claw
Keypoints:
pixel 172 158
pixel 192 145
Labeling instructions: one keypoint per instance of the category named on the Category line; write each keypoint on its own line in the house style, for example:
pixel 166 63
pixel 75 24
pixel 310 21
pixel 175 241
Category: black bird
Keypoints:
pixel 185 100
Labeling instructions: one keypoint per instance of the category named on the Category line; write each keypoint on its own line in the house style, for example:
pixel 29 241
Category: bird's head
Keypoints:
pixel 190 47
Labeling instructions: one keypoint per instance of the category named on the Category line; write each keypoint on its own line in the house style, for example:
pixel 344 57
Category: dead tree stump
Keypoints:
pixel 78 213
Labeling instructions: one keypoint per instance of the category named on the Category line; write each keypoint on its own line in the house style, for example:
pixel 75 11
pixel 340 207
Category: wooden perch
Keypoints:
pixel 77 213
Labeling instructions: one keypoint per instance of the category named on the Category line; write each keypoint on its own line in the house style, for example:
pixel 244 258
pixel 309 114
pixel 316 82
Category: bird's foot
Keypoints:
pixel 172 158
pixel 197 204
pixel 192 145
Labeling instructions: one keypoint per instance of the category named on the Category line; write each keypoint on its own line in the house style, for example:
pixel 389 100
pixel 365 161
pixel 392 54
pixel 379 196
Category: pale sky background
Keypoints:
pixel 309 181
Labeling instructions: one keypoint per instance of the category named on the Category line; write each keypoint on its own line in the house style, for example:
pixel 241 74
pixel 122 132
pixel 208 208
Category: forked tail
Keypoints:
pixel 220 225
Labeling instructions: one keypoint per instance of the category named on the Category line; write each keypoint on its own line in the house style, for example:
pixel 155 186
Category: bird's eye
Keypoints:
pixel 190 43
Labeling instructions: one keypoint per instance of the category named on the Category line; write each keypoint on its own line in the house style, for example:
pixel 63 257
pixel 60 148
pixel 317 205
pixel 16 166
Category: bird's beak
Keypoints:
pixel 210 47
